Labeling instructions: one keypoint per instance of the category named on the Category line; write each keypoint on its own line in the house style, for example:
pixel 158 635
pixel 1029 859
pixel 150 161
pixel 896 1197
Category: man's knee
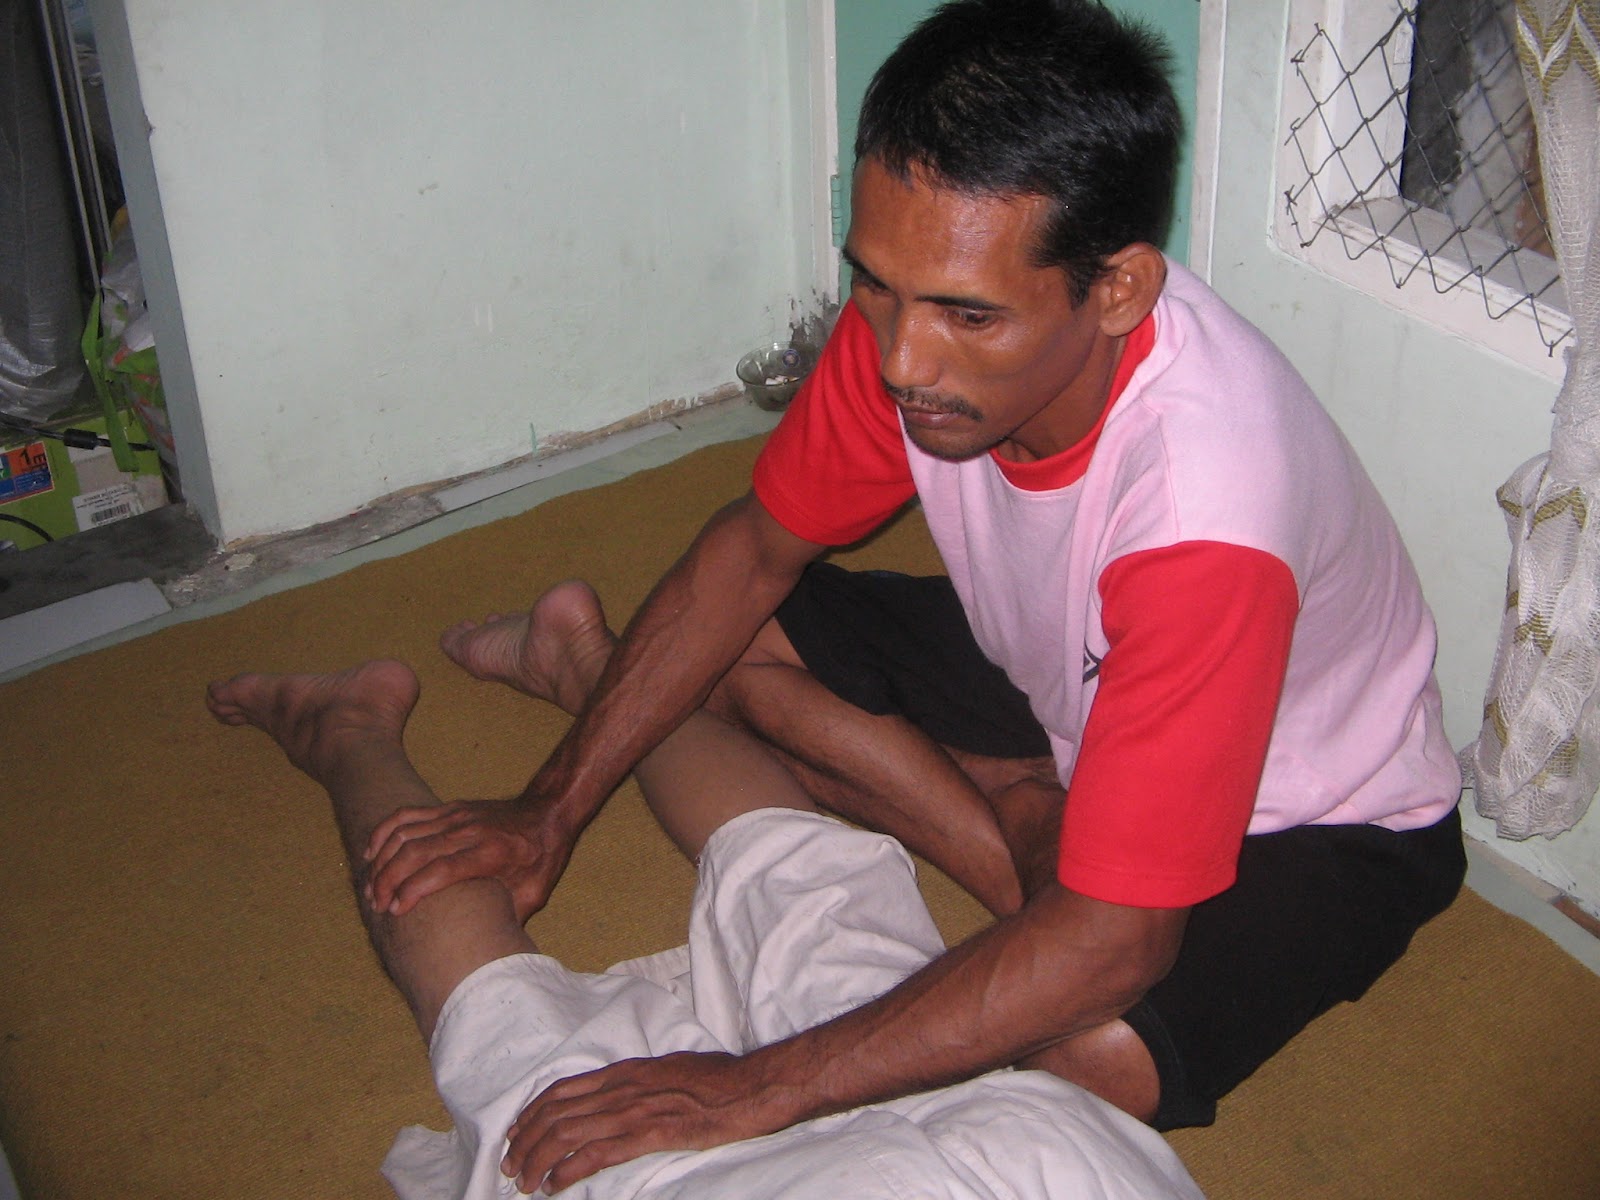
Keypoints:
pixel 1027 800
pixel 996 776
pixel 1111 1061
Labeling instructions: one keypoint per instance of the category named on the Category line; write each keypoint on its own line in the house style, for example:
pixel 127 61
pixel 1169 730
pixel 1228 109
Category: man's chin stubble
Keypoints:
pixel 952 454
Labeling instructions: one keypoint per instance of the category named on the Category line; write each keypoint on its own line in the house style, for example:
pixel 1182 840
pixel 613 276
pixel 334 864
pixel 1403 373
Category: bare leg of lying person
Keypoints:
pixel 346 732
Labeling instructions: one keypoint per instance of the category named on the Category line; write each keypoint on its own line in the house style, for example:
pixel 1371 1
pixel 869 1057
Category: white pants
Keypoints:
pixel 797 918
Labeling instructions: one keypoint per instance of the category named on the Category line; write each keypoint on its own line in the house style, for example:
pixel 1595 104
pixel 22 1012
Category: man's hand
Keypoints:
pixel 589 1122
pixel 419 851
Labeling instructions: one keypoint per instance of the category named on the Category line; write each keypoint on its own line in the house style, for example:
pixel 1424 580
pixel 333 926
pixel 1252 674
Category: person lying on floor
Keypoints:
pixel 797 918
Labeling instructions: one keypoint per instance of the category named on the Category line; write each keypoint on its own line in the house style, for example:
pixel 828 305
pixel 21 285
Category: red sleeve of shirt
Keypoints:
pixel 835 467
pixel 1176 739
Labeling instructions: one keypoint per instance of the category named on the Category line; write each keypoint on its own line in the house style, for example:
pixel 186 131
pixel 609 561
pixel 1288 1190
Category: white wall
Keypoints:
pixel 387 241
pixel 1439 421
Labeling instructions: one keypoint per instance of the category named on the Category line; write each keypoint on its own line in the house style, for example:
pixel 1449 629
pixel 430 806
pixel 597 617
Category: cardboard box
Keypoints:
pixel 59 490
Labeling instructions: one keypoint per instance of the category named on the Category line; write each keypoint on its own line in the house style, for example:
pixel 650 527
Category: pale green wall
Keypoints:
pixel 1179 22
pixel 1439 421
pixel 865 33
pixel 394 237
pixel 868 30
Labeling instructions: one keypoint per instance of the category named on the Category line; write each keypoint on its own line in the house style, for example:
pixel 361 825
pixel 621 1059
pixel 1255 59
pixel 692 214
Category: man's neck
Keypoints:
pixel 1072 416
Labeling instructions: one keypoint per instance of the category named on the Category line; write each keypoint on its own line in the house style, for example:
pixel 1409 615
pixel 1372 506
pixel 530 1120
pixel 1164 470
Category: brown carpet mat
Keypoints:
pixel 187 1007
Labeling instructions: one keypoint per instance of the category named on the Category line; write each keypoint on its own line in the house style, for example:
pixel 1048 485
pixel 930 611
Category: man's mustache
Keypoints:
pixel 933 401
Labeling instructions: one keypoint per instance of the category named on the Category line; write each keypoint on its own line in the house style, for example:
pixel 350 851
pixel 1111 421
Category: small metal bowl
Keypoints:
pixel 773 374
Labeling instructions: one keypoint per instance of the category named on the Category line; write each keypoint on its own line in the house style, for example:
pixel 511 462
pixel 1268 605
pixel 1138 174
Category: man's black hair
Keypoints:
pixel 1052 98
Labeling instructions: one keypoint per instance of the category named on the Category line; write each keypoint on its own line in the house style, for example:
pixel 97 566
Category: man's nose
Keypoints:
pixel 911 360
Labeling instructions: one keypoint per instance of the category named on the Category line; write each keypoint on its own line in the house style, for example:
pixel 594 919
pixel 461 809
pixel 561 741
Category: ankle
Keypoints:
pixel 345 745
pixel 575 683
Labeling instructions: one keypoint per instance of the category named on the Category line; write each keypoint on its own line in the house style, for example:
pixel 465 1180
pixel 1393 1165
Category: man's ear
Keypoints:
pixel 1129 287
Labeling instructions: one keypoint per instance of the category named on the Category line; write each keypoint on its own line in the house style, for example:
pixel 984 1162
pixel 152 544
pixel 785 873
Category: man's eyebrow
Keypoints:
pixel 972 302
pixel 948 301
pixel 856 265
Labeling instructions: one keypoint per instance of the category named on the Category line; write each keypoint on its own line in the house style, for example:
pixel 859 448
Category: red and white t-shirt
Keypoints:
pixel 1205 600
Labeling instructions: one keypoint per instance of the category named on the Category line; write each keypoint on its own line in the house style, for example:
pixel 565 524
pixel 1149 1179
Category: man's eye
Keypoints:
pixel 970 318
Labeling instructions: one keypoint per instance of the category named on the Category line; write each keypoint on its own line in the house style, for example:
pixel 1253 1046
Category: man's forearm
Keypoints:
pixel 1061 966
pixel 691 628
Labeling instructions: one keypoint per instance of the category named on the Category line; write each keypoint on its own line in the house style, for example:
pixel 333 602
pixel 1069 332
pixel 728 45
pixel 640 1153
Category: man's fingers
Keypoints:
pixel 480 839
pixel 592 1156
pixel 547 1106
pixel 408 850
pixel 402 828
pixel 583 1124
pixel 574 1086
pixel 432 876
pixel 575 1146
pixel 563 1099
pixel 422 868
pixel 394 821
pixel 538 1146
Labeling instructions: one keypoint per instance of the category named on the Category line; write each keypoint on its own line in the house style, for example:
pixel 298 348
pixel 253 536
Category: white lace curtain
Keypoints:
pixel 1535 765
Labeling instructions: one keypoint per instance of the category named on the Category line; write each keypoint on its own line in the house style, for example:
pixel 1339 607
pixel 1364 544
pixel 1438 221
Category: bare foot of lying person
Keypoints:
pixel 553 652
pixel 316 719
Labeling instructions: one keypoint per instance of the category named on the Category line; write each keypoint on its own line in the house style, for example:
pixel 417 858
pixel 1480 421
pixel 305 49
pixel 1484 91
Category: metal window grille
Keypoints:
pixel 1421 147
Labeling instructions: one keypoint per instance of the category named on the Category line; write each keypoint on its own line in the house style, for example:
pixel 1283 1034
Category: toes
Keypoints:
pixel 219 698
pixel 458 631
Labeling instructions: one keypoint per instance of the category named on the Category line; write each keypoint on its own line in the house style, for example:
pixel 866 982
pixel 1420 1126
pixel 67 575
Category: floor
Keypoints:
pixel 139 575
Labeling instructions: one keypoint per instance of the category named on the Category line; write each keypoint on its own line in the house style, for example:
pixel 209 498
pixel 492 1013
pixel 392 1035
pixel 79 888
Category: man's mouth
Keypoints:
pixel 928 418
pixel 919 412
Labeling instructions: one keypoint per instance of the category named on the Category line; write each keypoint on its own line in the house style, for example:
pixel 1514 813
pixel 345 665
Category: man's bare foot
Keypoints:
pixel 310 716
pixel 554 652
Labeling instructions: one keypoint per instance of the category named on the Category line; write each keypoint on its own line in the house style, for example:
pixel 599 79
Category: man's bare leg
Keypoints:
pixel 1027 801
pixel 345 731
pixel 881 772
pixel 703 775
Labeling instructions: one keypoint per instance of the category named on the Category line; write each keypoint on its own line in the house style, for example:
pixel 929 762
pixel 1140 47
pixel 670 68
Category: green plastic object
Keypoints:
pixel 125 379
pixel 94 357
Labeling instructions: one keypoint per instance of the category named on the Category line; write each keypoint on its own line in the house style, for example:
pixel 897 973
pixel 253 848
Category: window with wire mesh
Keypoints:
pixel 1421 147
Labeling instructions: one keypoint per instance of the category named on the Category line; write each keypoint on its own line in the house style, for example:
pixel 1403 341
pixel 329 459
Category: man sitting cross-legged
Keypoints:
pixel 796 919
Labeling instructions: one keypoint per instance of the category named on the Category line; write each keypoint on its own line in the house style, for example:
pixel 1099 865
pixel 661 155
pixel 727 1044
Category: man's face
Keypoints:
pixel 978 346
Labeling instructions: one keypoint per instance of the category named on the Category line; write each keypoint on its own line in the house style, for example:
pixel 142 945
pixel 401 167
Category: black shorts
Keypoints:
pixel 1316 915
